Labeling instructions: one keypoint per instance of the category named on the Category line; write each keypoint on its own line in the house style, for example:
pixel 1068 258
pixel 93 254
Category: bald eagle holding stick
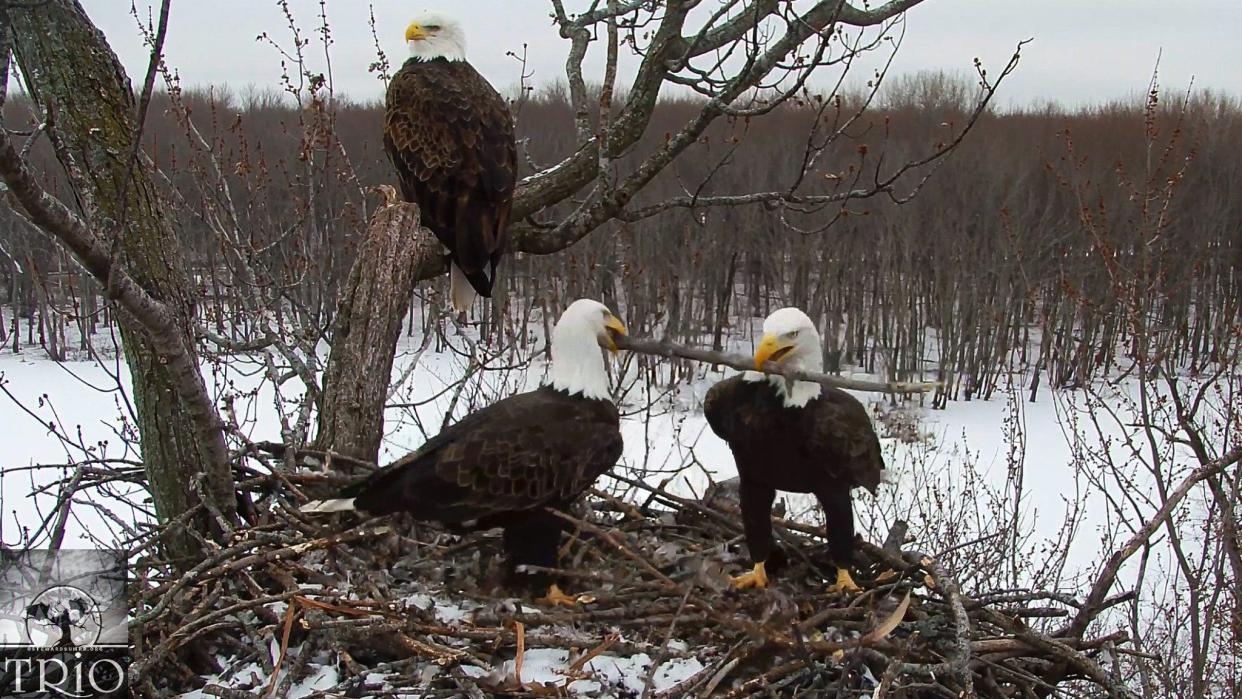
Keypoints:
pixel 796 436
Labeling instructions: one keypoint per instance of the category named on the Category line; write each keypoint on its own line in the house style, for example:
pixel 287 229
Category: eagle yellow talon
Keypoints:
pixel 556 598
pixel 756 578
pixel 845 583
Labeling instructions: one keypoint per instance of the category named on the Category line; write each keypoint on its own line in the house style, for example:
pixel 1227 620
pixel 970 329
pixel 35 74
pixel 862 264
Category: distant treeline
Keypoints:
pixel 1066 240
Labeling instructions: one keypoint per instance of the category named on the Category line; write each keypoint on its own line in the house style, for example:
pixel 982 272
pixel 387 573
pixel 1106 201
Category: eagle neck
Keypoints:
pixel 429 50
pixel 578 363
pixel 796 394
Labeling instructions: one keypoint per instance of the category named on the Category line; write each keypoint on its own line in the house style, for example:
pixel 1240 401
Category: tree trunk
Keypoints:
pixel 368 324
pixel 74 75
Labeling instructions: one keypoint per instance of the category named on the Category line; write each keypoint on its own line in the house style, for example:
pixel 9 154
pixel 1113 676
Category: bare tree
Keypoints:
pixel 122 237
pixel 1163 449
pixel 744 60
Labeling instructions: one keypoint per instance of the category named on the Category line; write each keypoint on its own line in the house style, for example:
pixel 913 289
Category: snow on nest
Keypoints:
pixel 607 672
pixel 605 675
pixel 445 609
pixel 320 678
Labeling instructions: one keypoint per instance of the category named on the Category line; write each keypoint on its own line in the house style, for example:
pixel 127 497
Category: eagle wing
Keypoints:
pixel 840 435
pixel 524 452
pixel 833 435
pixel 727 405
pixel 450 136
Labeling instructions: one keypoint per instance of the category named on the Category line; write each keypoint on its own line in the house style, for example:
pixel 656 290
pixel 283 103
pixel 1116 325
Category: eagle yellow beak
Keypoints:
pixel 415 32
pixel 770 349
pixel 613 325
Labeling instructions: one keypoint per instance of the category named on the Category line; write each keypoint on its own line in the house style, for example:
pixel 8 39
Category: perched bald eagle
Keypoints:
pixel 795 436
pixel 450 136
pixel 503 465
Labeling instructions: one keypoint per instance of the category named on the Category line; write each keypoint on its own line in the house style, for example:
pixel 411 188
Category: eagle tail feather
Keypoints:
pixel 331 505
pixel 463 288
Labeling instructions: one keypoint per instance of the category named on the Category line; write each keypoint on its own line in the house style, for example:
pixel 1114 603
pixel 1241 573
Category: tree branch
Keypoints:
pixel 58 222
pixel 663 348
pixel 816 19
pixel 1108 575
pixel 763 57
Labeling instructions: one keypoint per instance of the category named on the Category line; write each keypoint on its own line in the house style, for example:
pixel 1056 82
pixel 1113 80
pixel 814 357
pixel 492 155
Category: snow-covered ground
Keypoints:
pixel 56 415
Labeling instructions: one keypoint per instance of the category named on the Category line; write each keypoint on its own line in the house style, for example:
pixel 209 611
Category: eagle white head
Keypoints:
pixel 791 340
pixel 433 35
pixel 577 363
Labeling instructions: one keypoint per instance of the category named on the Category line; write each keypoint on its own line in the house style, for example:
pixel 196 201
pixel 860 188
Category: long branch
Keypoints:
pixel 1108 574
pixel 58 222
pixel 663 348
pixel 714 38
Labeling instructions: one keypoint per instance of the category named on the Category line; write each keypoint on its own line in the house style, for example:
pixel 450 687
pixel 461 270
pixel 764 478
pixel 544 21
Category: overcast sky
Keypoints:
pixel 1085 51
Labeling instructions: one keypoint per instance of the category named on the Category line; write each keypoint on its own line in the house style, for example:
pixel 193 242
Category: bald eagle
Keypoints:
pixel 795 436
pixel 502 466
pixel 450 136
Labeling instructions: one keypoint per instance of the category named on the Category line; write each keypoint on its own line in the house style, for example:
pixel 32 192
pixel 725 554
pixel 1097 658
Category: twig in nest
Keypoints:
pixel 888 625
pixel 766 679
pixel 440 655
pixel 519 629
pixel 668 637
pixel 578 664
pixel 608 537
pixel 290 614
pixel 216 690
pixel 717 678
pixel 346 610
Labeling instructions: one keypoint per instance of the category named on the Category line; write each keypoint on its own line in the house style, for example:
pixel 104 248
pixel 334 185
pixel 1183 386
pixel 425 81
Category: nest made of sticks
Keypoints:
pixel 388 607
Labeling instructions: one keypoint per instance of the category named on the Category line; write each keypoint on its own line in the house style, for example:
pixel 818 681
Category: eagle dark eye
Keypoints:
pixel 432 27
pixel 793 334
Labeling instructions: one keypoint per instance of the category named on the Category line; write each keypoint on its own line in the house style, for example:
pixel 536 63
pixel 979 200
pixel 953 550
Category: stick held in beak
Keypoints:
pixel 612 327
pixel 769 349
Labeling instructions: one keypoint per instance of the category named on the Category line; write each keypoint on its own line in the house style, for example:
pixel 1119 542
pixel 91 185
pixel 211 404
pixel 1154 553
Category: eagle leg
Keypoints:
pixel 756 578
pixel 839 525
pixel 534 540
pixel 845 583
pixel 756 503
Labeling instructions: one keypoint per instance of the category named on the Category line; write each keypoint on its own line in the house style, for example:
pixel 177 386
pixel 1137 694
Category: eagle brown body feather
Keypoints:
pixel 450 136
pixel 826 447
pixel 502 466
